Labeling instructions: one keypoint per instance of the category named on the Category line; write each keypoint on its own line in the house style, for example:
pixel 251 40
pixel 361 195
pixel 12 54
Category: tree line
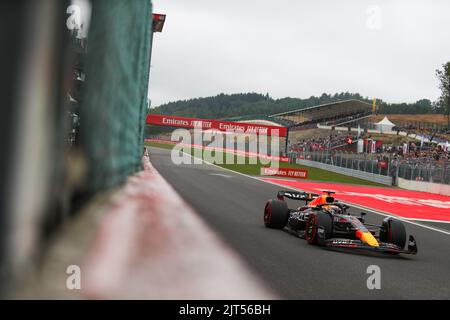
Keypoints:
pixel 244 104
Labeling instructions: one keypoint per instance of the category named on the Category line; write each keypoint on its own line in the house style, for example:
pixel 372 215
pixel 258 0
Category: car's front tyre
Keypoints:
pixel 393 231
pixel 318 222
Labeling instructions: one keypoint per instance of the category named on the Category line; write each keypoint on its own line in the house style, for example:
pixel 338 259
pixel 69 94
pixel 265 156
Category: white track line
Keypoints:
pixel 348 203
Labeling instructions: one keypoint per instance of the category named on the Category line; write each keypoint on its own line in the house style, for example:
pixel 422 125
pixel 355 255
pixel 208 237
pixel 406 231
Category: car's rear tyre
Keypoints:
pixel 316 221
pixel 276 214
pixel 393 231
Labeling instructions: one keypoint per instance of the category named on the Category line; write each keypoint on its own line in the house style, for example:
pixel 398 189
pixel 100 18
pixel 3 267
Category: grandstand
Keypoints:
pixel 309 119
pixel 330 114
pixel 261 119
pixel 334 113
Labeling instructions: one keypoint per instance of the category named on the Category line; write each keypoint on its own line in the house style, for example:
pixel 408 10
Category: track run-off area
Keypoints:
pixel 232 205
pixel 406 204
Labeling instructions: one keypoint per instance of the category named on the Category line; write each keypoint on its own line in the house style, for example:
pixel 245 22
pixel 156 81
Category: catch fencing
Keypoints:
pixel 415 169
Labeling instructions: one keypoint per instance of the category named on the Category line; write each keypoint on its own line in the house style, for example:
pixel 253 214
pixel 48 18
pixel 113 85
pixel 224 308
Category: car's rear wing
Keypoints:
pixel 296 195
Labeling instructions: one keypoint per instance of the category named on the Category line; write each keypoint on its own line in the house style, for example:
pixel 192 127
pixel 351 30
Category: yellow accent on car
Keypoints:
pixel 368 238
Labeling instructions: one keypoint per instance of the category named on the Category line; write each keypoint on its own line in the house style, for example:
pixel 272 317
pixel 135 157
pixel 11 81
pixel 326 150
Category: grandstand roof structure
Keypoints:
pixel 326 111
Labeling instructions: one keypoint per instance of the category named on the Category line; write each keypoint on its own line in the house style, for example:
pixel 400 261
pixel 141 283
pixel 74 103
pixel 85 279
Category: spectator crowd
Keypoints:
pixel 323 143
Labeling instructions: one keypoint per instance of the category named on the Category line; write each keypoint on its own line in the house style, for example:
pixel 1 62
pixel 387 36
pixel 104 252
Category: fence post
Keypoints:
pixel 397 170
pixel 388 167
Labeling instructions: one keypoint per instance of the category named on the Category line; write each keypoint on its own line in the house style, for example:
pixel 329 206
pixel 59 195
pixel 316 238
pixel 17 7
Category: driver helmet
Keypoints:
pixel 334 209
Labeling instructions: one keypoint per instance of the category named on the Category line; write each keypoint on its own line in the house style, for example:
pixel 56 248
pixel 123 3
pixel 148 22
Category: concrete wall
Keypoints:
pixel 443 189
pixel 348 172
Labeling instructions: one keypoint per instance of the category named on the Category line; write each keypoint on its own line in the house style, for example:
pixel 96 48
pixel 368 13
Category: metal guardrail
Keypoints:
pixel 365 163
pixel 432 172
pixel 376 166
pixel 387 180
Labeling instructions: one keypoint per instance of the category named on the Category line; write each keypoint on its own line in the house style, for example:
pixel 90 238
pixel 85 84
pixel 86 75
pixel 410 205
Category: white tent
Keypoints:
pixel 385 125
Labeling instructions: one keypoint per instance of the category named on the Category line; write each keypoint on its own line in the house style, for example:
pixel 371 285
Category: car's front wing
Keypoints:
pixel 383 246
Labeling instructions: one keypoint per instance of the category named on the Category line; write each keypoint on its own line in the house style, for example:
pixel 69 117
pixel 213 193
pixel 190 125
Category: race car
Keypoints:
pixel 325 221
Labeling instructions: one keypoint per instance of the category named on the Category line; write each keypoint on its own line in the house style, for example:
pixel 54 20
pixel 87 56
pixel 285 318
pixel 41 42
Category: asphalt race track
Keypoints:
pixel 232 205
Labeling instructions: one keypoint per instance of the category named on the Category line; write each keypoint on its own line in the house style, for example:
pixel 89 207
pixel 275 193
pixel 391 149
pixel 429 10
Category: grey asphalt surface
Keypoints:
pixel 232 205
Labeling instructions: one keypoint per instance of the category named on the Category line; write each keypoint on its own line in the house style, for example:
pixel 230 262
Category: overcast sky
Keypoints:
pixel 387 49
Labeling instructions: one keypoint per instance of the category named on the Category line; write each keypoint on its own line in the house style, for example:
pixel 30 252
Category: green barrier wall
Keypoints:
pixel 114 101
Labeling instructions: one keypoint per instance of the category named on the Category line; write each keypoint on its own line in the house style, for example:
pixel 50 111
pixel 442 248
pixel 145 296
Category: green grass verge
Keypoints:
pixel 251 168
pixel 159 145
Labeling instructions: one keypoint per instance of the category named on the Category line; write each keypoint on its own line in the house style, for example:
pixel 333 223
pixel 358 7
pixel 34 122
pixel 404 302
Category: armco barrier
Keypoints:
pixel 152 245
pixel 348 172
pixel 442 189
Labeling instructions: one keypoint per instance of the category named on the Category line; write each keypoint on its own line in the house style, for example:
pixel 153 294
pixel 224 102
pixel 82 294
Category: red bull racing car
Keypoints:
pixel 325 221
